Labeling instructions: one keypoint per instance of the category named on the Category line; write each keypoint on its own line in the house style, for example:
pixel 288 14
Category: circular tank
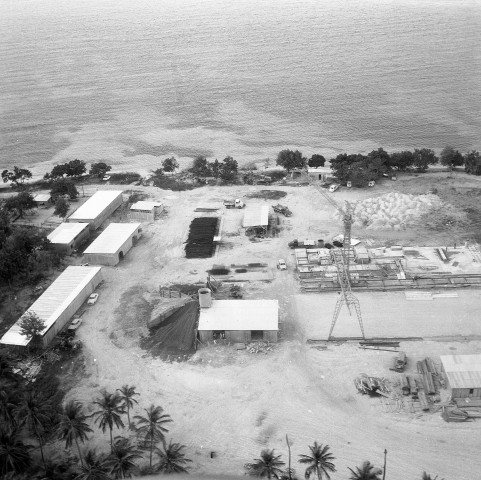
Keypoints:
pixel 205 298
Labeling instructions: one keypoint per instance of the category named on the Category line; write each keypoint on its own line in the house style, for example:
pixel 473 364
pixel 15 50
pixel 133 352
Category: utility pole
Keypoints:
pixel 384 469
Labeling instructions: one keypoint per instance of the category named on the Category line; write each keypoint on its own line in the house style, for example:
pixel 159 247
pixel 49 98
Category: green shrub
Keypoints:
pixel 124 178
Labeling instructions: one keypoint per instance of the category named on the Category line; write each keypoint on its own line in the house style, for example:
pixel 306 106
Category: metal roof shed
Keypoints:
pixel 240 320
pixel 68 236
pixel 113 243
pixel 58 303
pixel 97 208
pixel 256 217
pixel 42 198
pixel 145 211
pixel 464 376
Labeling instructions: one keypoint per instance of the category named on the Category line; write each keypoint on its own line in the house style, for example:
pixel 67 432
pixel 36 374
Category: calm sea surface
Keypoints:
pixel 132 81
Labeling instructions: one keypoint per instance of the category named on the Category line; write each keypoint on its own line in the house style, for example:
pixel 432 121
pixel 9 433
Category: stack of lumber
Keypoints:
pixel 455 415
pixel 425 369
pixel 200 242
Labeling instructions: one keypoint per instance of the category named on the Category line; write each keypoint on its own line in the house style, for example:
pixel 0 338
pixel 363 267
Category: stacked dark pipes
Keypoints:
pixel 200 242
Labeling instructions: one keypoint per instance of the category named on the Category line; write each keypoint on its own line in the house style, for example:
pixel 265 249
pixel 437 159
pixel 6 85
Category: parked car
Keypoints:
pixel 281 264
pixel 76 322
pixel 333 187
pixel 93 299
pixel 106 178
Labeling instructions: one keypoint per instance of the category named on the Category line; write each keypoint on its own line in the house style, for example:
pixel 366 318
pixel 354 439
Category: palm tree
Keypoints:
pixel 9 403
pixel 172 459
pixel 109 413
pixel 14 454
pixel 72 426
pixel 127 394
pixel 269 465
pixel 33 413
pixel 367 471
pixel 56 469
pixel 94 467
pixel 320 461
pixel 122 459
pixel 150 428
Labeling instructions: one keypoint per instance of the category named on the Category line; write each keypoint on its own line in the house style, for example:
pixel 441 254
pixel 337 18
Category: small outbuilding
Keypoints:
pixel 58 303
pixel 238 320
pixel 67 237
pixel 97 208
pixel 145 211
pixel 463 373
pixel 256 219
pixel 42 199
pixel 113 243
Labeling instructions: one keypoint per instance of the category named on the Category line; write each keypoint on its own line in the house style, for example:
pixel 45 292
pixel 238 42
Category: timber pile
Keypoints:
pixel 454 415
pixel 259 347
pixel 200 242
pixel 427 370
pixel 372 385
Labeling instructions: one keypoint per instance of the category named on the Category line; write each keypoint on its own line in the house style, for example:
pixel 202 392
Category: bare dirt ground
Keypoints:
pixel 236 403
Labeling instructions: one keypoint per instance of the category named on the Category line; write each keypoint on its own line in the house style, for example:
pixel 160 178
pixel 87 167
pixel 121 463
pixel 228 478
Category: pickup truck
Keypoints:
pixel 237 203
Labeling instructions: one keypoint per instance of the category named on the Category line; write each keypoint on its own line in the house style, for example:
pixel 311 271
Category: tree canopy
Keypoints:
pixel 74 168
pixel 61 207
pixel 17 176
pixel 61 187
pixel 170 164
pixel 472 163
pixel 316 161
pixel 450 157
pixel 200 166
pixel 423 158
pixel 228 170
pixel 99 169
pixel 290 159
pixel 31 326
pixel 20 203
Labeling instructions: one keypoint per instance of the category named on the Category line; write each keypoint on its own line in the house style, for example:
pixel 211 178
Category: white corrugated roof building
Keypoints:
pixel 240 315
pixel 112 238
pixel 462 371
pixel 67 232
pixel 95 205
pixel 256 216
pixel 42 197
pixel 54 301
pixel 145 206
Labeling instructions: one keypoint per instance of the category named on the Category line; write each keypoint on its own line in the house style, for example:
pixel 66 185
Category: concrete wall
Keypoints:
pixel 237 336
pixel 141 216
pixel 112 259
pixel 68 248
pixel 270 336
pixel 96 222
pixel 67 314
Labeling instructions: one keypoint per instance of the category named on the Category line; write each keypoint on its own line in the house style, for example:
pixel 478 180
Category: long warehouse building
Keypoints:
pixel 113 243
pixel 97 208
pixel 56 306
pixel 67 237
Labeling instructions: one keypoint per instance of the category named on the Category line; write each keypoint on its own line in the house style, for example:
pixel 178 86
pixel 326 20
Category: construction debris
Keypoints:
pixel 259 347
pixel 372 385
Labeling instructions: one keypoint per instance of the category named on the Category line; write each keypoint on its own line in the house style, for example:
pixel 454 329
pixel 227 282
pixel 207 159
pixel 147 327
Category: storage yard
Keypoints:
pixel 236 400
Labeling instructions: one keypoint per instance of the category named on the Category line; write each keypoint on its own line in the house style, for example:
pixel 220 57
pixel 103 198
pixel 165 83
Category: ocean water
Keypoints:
pixel 132 82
